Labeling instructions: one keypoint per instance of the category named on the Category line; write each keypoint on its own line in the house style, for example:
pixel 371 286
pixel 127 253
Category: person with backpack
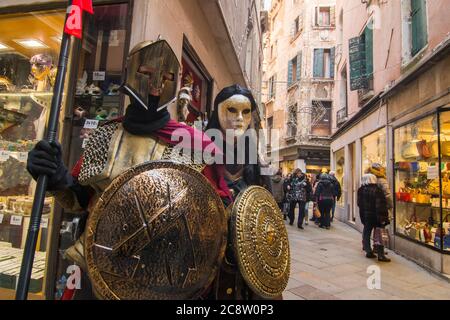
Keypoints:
pixel 324 195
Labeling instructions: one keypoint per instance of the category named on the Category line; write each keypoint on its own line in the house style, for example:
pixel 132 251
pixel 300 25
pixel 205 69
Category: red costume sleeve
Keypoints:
pixel 214 173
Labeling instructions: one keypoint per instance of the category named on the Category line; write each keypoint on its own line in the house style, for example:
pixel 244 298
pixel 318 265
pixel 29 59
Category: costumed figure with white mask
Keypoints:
pixel 257 259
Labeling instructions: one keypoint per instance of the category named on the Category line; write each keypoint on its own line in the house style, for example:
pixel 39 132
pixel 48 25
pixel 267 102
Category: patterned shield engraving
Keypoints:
pixel 261 242
pixel 157 232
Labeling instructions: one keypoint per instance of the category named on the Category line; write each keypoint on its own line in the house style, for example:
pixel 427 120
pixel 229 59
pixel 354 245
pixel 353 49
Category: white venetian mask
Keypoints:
pixel 235 113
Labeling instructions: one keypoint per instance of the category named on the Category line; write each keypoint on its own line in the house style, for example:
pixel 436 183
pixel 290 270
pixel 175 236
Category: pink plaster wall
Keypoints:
pixel 387 52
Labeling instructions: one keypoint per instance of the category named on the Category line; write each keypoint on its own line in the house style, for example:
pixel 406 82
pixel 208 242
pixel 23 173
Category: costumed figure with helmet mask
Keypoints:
pixel 156 226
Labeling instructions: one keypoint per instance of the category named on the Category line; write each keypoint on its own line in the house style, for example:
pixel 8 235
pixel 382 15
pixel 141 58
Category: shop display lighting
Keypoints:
pixel 31 43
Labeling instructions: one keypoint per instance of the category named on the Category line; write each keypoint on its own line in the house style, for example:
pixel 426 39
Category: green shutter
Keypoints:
pixel 419 25
pixel 290 73
pixel 299 66
pixel 318 63
pixel 332 57
pixel 357 57
pixel 368 34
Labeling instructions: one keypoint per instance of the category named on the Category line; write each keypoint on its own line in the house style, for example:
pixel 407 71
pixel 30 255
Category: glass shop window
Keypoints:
pixel 374 151
pixel 101 62
pixel 339 164
pixel 417 182
pixel 29 49
pixel 100 72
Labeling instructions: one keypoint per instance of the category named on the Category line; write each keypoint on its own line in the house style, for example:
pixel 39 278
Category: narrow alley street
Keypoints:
pixel 330 265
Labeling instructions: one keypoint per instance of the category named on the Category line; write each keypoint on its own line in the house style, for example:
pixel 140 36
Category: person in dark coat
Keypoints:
pixel 286 187
pixel 300 193
pixel 278 188
pixel 324 195
pixel 373 211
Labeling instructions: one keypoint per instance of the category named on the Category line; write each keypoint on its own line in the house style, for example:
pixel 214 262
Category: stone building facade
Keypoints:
pixel 298 81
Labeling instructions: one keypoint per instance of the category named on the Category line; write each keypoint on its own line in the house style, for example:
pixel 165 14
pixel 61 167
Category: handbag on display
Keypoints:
pixel 423 166
pixel 403 166
pixel 433 188
pixel 409 151
pixel 423 198
pixel 446 242
pixel 415 167
pixel 423 149
pixel 445 148
pixel 433 146
pixel 427 234
pixel 403 195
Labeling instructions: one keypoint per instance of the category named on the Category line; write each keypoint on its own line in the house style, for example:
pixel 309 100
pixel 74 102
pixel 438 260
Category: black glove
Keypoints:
pixel 46 158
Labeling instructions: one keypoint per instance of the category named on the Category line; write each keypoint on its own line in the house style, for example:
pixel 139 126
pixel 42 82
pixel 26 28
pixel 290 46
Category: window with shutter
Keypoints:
pixel 316 17
pixel 418 25
pixel 332 62
pixel 299 66
pixel 318 71
pixel 368 38
pixel 357 55
pixel 289 73
pixel 333 16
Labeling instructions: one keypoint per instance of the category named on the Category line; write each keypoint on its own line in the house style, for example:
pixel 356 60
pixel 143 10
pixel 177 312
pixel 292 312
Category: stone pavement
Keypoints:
pixel 329 264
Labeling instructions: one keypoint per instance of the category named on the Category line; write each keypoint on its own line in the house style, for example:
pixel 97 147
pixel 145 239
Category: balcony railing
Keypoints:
pixel 341 116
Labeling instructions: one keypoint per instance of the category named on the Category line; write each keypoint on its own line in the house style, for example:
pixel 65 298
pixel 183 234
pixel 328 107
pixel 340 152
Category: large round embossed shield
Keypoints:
pixel 157 232
pixel 261 242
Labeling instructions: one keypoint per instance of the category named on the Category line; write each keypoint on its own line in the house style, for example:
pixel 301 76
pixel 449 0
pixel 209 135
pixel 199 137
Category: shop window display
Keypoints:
pixel 422 167
pixel 96 100
pixel 100 71
pixel 28 62
pixel 339 162
pixel 374 150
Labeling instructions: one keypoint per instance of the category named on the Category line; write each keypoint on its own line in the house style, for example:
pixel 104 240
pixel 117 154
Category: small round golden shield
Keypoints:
pixel 157 232
pixel 261 242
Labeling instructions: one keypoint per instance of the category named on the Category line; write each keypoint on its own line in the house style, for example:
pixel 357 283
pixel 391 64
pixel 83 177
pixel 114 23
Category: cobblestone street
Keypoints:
pixel 331 265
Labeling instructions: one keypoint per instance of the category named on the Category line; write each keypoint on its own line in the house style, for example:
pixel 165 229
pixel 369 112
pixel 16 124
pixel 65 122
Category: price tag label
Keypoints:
pixel 83 145
pixel 4 155
pixel 44 222
pixel 22 156
pixel 98 76
pixel 90 124
pixel 1 217
pixel 16 220
pixel 432 172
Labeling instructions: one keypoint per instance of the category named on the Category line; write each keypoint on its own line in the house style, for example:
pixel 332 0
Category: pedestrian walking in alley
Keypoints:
pixel 373 211
pixel 286 190
pixel 337 192
pixel 278 188
pixel 324 195
pixel 300 193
